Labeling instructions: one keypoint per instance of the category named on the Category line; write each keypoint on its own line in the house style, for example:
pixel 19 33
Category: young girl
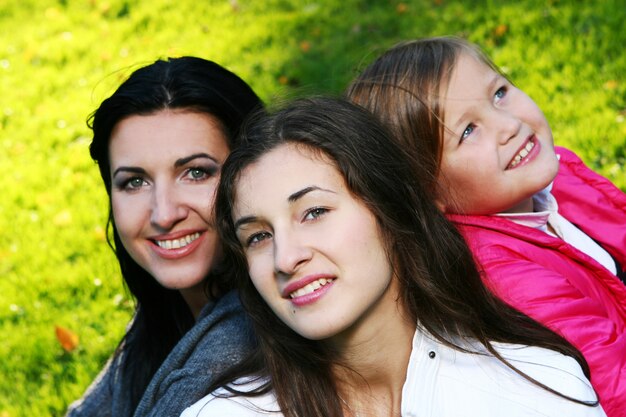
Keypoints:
pixel 548 233
pixel 365 299
pixel 160 140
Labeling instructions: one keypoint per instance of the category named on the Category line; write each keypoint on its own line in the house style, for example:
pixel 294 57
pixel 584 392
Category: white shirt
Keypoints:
pixel 215 406
pixel 546 212
pixel 443 382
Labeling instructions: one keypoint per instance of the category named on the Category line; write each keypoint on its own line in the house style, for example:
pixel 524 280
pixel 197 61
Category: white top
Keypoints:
pixel 215 406
pixel 546 212
pixel 443 382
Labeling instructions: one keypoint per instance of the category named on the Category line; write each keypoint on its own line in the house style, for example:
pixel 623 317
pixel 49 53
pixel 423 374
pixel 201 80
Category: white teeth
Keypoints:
pixel 178 243
pixel 523 153
pixel 309 288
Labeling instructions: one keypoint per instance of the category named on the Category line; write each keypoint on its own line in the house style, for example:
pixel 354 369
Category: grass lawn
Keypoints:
pixel 59 59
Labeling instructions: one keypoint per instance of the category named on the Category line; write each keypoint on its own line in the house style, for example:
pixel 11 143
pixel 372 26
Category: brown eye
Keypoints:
pixel 256 238
pixel 314 213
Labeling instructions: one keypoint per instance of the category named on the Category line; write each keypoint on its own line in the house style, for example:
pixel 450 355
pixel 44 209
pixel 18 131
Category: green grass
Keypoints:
pixel 59 59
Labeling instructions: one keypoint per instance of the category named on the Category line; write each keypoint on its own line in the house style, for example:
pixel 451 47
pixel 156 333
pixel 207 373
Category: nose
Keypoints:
pixel 290 253
pixel 509 126
pixel 168 207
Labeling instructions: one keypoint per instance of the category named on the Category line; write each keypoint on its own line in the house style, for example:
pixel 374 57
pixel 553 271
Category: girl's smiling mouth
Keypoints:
pixel 525 154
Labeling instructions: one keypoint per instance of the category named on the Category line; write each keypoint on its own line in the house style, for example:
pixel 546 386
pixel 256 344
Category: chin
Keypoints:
pixel 181 283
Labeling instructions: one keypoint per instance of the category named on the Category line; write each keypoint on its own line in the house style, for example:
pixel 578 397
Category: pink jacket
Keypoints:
pixel 560 286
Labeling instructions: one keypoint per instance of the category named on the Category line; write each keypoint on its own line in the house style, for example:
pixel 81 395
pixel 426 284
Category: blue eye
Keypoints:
pixel 468 131
pixel 196 173
pixel 500 93
pixel 133 183
pixel 314 213
pixel 199 173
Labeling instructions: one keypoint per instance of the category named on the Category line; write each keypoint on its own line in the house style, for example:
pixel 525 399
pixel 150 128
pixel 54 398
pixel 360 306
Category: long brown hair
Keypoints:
pixel 440 286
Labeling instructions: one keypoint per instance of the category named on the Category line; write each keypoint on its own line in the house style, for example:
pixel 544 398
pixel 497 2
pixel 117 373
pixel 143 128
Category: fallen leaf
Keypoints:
pixel 67 338
pixel 305 46
pixel 500 30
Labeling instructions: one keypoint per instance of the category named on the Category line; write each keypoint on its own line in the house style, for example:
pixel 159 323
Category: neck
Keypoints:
pixel 526 206
pixel 374 358
pixel 195 297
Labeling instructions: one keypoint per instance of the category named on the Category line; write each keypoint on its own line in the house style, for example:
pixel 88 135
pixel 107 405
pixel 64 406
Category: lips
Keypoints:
pixel 175 246
pixel 525 153
pixel 177 243
pixel 309 288
pixel 306 286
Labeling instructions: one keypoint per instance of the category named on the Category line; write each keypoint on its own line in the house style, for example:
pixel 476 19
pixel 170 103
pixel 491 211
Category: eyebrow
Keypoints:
pixel 299 194
pixel 178 163
pixel 134 170
pixel 291 199
pixel 182 161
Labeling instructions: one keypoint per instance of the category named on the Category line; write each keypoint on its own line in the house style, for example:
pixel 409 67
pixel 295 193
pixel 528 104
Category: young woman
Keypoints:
pixel 364 297
pixel 549 234
pixel 160 141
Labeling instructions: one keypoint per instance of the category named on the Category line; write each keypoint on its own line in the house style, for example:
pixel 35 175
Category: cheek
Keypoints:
pixel 125 216
pixel 203 202
pixel 533 114
pixel 261 275
pixel 451 176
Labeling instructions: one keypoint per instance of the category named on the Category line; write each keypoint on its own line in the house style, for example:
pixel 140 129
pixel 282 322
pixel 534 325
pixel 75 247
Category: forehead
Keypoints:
pixel 281 172
pixel 166 135
pixel 470 74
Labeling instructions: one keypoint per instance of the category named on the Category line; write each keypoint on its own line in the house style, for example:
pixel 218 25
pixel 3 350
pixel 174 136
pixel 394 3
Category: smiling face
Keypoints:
pixel 165 168
pixel 497 149
pixel 314 251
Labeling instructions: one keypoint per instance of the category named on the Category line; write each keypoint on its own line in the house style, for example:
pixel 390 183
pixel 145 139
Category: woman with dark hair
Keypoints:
pixel 364 298
pixel 160 140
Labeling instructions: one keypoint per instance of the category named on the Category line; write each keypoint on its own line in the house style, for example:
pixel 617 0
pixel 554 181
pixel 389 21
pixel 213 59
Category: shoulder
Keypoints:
pixel 438 372
pixel 553 369
pixel 104 395
pixel 225 404
pixel 219 339
pixel 574 173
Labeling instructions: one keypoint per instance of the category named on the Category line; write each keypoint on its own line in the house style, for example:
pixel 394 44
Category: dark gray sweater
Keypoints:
pixel 220 338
